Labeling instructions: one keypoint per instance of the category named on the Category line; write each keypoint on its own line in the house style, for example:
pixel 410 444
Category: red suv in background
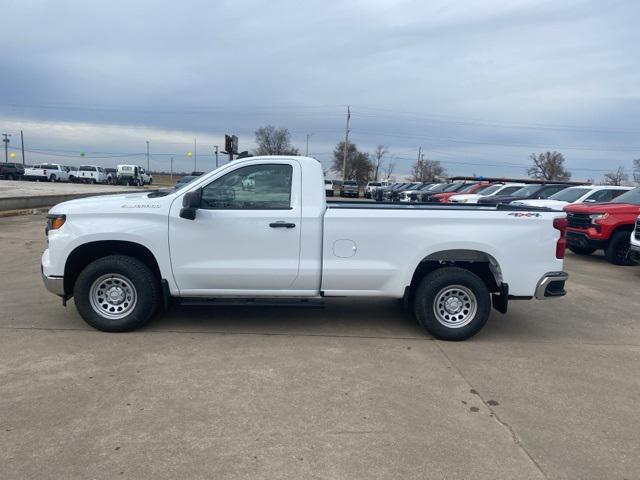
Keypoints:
pixel 472 188
pixel 605 226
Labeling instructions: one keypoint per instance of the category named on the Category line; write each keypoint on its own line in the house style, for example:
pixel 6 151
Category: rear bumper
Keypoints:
pixel 551 285
pixel 582 240
pixel 54 284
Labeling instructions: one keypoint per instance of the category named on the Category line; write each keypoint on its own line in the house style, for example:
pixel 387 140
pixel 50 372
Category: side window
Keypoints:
pixel 254 187
pixel 547 192
pixel 601 196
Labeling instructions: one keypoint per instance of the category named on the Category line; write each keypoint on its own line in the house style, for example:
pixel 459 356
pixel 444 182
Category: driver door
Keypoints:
pixel 245 238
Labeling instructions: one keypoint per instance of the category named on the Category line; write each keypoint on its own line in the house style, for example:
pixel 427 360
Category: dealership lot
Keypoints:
pixel 354 390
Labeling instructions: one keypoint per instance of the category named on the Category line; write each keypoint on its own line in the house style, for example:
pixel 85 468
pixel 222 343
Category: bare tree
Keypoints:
pixel 636 170
pixel 359 167
pixel 548 166
pixel 615 178
pixel 274 141
pixel 388 169
pixel 427 170
pixel 381 151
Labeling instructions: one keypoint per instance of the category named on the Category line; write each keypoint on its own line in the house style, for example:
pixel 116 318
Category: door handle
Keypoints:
pixel 282 225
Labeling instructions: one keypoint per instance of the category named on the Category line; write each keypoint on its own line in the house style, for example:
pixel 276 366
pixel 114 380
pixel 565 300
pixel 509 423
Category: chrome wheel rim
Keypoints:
pixel 113 296
pixel 455 306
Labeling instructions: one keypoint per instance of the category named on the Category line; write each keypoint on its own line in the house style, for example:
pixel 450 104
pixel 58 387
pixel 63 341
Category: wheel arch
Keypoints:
pixel 86 253
pixel 483 264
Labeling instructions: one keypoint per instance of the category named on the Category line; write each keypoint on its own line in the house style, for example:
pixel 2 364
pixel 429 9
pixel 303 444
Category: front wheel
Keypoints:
pixel 617 252
pixel 53 179
pixel 116 293
pixel 452 303
pixel 582 250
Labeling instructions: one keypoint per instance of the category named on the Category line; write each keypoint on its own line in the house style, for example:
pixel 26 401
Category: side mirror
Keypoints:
pixel 589 200
pixel 190 204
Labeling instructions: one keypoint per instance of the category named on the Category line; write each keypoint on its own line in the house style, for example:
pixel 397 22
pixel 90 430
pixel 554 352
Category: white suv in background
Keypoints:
pixel 500 189
pixel 579 194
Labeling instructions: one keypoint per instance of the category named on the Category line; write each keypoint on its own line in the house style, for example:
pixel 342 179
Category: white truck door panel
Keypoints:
pixel 246 236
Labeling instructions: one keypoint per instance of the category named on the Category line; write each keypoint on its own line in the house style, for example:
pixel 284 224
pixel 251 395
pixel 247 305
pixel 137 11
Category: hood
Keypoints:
pixel 612 208
pixel 555 204
pixel 109 203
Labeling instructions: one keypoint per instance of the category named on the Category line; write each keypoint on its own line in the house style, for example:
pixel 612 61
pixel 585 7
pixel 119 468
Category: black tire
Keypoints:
pixel 431 286
pixel 582 250
pixel 53 178
pixel 147 289
pixel 617 252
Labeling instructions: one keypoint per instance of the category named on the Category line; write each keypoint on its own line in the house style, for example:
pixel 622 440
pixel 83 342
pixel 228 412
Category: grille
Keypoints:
pixel 578 220
pixel 637 233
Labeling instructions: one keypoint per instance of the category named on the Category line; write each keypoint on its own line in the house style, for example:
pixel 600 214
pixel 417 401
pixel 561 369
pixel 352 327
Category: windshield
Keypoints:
pixel 570 194
pixel 526 191
pixel 489 190
pixel 453 187
pixel 85 168
pixel 468 189
pixel 328 182
pixel 374 184
pixel 632 196
pixel 349 183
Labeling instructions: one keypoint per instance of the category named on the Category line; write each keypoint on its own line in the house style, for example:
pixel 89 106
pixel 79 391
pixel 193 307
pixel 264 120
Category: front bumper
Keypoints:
pixel 551 285
pixel 54 284
pixel 634 253
pixel 582 240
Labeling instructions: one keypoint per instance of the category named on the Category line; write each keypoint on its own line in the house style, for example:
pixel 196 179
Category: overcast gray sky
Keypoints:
pixel 479 85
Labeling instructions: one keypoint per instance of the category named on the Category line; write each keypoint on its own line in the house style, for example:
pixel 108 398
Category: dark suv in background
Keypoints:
pixel 11 171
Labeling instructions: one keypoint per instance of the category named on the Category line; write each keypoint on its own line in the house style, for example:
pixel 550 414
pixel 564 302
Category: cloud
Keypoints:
pixel 465 80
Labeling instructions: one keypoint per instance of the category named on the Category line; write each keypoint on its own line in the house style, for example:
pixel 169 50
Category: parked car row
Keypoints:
pixel 54 172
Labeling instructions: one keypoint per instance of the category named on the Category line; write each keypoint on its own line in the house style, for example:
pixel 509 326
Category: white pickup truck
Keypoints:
pixel 48 172
pixel 212 241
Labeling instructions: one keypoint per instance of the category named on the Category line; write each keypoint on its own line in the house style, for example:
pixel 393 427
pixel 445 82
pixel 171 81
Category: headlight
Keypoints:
pixel 598 216
pixel 54 222
pixel 463 200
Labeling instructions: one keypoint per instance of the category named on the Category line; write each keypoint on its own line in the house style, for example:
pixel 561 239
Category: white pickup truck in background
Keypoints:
pixel 91 174
pixel 122 256
pixel 47 172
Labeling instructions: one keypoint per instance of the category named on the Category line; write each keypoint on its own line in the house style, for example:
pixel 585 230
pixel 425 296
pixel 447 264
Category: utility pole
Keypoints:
pixel 171 169
pixel 147 155
pixel 6 146
pixel 22 142
pixel 346 146
pixel 306 151
pixel 195 156
pixel 216 152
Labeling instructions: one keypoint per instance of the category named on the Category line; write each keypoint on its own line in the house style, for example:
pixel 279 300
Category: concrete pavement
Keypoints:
pixel 355 390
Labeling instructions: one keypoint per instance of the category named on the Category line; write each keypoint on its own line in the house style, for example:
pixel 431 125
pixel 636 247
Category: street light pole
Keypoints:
pixel 346 145
pixel 22 142
pixel 216 152
pixel 147 155
pixel 6 146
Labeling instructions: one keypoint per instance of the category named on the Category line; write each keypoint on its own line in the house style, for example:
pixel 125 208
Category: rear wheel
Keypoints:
pixel 452 303
pixel 116 293
pixel 582 250
pixel 617 252
pixel 53 178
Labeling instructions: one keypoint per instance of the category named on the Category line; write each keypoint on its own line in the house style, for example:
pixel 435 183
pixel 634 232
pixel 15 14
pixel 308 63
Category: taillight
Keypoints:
pixel 561 225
